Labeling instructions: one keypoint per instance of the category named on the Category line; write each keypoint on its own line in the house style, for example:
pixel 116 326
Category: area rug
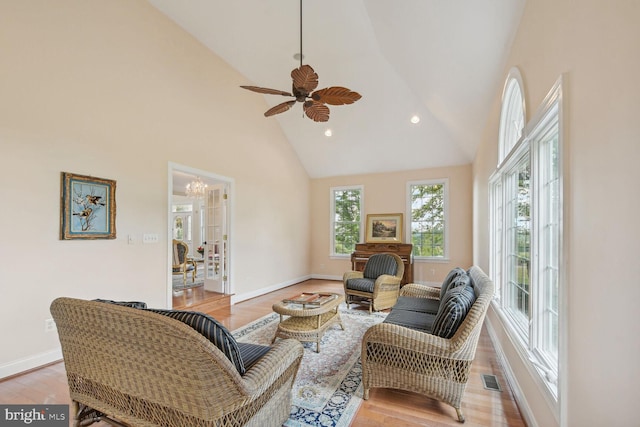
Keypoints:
pixel 327 389
pixel 179 285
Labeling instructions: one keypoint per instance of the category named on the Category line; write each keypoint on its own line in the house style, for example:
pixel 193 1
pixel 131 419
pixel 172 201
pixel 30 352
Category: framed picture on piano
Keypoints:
pixel 384 228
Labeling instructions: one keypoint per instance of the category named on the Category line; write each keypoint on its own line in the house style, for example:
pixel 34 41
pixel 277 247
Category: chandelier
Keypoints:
pixel 196 189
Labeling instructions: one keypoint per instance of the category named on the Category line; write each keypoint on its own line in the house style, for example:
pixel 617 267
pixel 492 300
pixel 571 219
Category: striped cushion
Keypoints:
pixel 421 305
pixel 453 274
pixel 453 309
pixel 132 304
pixel 380 264
pixel 411 319
pixel 362 285
pixel 251 353
pixel 211 329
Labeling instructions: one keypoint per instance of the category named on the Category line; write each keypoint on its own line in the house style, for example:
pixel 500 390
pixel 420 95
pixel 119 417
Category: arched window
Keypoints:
pixel 512 117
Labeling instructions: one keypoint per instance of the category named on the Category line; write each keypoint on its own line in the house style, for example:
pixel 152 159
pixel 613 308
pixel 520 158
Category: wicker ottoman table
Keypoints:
pixel 307 316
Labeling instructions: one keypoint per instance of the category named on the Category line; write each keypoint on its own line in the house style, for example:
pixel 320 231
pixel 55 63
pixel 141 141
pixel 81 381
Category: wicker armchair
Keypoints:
pixel 379 283
pixel 398 357
pixel 141 368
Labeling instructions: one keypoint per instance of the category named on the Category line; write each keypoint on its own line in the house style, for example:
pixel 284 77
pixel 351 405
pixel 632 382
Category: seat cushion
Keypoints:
pixel 422 305
pixel 453 309
pixel 211 329
pixel 411 319
pixel 251 353
pixel 380 264
pixel 453 274
pixel 361 284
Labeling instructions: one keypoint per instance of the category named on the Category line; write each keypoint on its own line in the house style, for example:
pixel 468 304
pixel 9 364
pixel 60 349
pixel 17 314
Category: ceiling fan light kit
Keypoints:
pixel 305 82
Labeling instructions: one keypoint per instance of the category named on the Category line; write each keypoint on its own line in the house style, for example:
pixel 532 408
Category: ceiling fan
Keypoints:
pixel 305 81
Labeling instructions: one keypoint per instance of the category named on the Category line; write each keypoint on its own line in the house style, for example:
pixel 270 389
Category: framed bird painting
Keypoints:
pixel 87 208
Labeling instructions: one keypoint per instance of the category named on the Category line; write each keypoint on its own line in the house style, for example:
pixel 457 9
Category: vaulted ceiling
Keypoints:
pixel 442 60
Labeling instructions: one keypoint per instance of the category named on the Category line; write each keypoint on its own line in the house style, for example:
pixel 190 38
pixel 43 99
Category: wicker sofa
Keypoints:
pixel 404 352
pixel 131 366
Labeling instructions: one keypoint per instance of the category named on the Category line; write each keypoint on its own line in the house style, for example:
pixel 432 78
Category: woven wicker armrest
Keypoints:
pixel 281 361
pixel 420 291
pixel 386 282
pixel 352 275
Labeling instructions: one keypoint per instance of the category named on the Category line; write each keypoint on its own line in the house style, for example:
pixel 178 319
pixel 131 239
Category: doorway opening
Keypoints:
pixel 202 223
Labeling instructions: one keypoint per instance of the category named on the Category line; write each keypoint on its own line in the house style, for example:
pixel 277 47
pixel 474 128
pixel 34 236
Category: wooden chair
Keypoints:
pixel 378 283
pixel 181 262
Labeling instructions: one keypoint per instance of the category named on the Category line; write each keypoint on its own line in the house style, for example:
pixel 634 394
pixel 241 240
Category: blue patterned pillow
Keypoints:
pixel 211 329
pixel 453 309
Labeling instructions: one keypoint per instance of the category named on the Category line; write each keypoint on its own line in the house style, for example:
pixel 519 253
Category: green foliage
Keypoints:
pixel 347 220
pixel 427 220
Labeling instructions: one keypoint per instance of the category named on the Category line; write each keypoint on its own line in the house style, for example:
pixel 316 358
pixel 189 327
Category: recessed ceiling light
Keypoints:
pixel 328 132
pixel 415 119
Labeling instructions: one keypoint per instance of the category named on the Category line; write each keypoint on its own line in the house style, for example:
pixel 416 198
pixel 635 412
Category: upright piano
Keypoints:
pixel 364 250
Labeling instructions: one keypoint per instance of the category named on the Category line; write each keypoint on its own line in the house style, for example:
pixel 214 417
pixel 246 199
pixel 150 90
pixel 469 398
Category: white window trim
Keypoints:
pixel 513 85
pixel 551 107
pixel 445 182
pixel 332 207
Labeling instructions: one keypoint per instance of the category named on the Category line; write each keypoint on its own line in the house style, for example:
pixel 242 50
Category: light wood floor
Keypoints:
pixel 385 407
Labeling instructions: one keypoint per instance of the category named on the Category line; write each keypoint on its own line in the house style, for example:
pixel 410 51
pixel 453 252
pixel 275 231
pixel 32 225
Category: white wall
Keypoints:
pixel 595 44
pixel 115 90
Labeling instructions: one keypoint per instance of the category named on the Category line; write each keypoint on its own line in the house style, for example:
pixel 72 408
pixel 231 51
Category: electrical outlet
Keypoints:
pixel 132 239
pixel 150 238
pixel 49 325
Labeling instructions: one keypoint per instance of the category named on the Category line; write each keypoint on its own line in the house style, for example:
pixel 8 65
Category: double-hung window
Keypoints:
pixel 526 228
pixel 346 219
pixel 427 225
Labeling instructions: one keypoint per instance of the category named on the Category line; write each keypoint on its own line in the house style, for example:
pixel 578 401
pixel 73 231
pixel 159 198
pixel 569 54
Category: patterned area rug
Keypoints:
pixel 327 389
pixel 179 285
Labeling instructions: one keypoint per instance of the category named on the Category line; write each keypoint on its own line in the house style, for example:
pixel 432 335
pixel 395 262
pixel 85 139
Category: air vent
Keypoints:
pixel 490 382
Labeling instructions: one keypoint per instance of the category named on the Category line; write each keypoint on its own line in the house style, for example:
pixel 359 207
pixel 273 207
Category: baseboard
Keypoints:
pixel 518 395
pixel 259 292
pixel 326 277
pixel 29 363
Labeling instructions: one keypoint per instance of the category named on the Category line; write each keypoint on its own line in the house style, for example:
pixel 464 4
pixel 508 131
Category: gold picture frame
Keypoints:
pixel 87 207
pixel 384 228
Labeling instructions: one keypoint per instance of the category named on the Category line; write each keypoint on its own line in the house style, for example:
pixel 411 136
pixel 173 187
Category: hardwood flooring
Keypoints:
pixel 385 407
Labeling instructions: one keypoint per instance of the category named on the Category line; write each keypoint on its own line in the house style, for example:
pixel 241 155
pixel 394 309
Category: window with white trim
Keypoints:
pixel 512 116
pixel 346 219
pixel 526 235
pixel 427 225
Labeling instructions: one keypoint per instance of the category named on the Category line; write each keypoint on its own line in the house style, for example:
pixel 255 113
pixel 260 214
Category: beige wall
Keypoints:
pixel 115 90
pixel 387 193
pixel 595 44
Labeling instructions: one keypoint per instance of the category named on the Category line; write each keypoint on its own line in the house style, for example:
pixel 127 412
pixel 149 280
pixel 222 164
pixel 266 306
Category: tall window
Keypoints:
pixel 346 219
pixel 428 218
pixel 526 233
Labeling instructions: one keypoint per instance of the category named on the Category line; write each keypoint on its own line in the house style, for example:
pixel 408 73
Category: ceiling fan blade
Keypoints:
pixel 280 108
pixel 316 111
pixel 304 79
pixel 335 95
pixel 266 90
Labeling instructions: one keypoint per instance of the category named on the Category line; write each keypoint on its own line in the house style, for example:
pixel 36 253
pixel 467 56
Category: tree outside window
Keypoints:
pixel 428 218
pixel 346 219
